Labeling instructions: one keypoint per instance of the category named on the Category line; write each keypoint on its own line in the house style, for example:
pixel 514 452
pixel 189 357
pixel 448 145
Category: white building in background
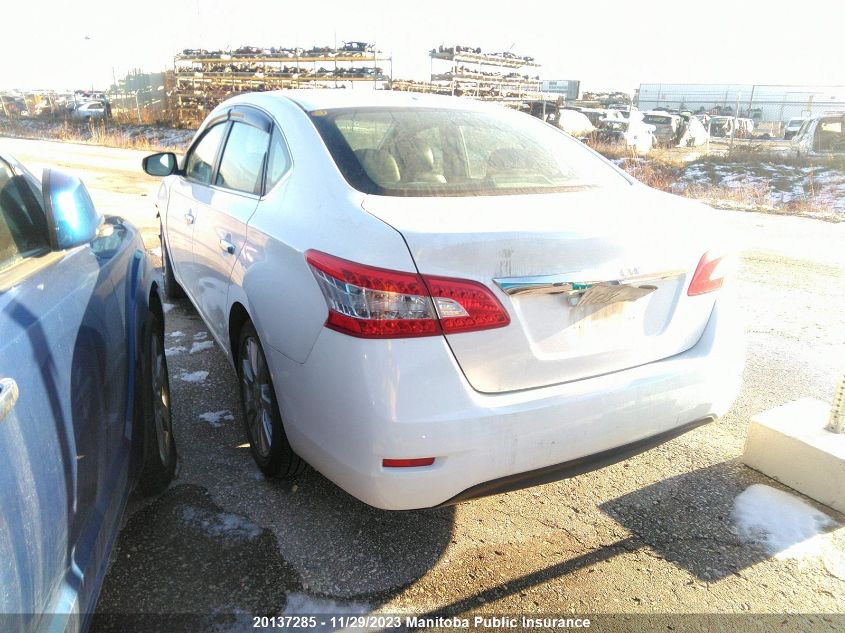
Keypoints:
pixel 760 102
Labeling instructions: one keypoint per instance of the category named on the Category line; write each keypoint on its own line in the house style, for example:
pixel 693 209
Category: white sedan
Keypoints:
pixel 430 299
pixel 89 111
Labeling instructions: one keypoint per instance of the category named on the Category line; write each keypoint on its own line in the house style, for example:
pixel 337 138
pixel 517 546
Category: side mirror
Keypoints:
pixel 161 164
pixel 71 216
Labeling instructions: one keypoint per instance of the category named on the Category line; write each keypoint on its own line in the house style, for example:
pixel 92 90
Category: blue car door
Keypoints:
pixel 63 414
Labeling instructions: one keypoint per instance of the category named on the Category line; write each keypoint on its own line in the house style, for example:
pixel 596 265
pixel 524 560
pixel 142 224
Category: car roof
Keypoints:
pixel 323 99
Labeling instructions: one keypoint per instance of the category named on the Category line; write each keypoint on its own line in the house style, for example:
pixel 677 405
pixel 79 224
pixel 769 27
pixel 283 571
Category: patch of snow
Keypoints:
pixel 216 418
pixel 170 351
pixel 200 336
pixel 783 524
pixel 167 307
pixel 196 376
pixel 200 346
pixel 228 527
pixel 176 334
pixel 782 184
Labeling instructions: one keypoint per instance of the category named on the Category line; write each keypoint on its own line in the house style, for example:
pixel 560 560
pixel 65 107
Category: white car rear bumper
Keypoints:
pixel 355 402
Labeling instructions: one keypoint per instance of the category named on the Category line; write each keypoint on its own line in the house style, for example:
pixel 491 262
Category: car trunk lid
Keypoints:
pixel 594 281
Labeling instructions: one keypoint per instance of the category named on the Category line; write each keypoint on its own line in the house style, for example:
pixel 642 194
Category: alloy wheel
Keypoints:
pixel 256 388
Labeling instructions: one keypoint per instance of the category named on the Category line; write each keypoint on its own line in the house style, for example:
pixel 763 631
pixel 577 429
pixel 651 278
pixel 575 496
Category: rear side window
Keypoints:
pixel 243 159
pixel 200 162
pixel 23 227
pixel 279 161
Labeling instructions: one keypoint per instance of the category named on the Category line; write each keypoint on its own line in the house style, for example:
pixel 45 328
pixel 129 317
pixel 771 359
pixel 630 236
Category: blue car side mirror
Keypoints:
pixel 71 217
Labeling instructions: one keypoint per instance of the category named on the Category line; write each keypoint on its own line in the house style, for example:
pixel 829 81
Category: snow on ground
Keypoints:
pixel 167 307
pixel 176 334
pixel 216 418
pixel 782 184
pixel 176 349
pixel 199 346
pixel 156 135
pixel 228 527
pixel 199 336
pixel 783 524
pixel 195 376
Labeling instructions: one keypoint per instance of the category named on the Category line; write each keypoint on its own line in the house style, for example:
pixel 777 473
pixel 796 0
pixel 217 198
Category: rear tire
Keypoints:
pixel 160 457
pixel 172 289
pixel 262 420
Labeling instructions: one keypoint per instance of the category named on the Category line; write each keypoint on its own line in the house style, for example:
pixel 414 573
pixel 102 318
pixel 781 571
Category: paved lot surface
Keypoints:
pixel 651 535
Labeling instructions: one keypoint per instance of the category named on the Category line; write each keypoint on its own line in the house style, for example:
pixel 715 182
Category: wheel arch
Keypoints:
pixel 155 304
pixel 238 315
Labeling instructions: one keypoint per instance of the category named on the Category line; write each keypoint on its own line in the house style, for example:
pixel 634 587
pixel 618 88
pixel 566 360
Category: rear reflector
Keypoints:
pixel 407 463
pixel 709 275
pixel 371 302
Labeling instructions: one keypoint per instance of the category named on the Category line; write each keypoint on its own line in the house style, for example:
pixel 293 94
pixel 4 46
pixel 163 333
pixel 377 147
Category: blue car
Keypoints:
pixel 84 395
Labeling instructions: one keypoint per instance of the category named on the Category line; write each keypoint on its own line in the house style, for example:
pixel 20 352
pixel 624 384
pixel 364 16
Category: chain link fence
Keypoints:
pixel 744 111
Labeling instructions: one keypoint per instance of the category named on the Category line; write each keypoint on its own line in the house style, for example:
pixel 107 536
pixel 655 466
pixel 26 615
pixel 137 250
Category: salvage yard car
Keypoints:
pixel 84 395
pixel 575 123
pixel 792 126
pixel 728 126
pixel 430 299
pixel 821 135
pixel 666 126
pixel 631 133
pixel 91 110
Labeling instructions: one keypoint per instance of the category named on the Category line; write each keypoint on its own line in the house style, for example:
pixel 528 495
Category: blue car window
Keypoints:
pixel 23 227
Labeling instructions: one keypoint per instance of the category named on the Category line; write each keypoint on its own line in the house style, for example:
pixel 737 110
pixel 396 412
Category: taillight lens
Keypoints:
pixel 464 305
pixel 709 275
pixel 375 302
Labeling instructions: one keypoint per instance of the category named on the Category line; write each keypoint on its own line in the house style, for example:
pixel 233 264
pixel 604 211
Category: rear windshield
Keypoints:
pixel 434 152
pixel 657 119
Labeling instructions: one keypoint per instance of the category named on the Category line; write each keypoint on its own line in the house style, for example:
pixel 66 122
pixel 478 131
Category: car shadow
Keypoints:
pixel 687 519
pixel 174 553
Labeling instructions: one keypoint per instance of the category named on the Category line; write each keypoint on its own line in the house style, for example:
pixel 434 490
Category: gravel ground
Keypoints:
pixel 651 537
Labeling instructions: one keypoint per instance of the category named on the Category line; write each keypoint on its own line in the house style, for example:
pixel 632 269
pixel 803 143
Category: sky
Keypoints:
pixel 606 45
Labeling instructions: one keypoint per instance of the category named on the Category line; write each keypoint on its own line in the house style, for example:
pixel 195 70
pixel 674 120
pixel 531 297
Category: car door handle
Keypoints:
pixel 8 396
pixel 227 247
pixel 189 217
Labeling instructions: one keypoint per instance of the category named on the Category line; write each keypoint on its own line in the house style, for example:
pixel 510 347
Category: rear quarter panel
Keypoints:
pixel 312 208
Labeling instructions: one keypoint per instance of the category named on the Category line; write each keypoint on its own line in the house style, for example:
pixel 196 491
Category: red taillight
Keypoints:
pixel 709 275
pixel 465 306
pixel 407 463
pixel 374 302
